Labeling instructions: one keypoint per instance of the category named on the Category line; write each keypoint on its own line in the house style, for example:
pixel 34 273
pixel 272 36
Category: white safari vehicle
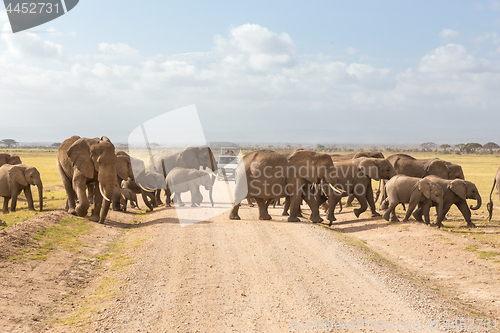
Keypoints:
pixel 227 163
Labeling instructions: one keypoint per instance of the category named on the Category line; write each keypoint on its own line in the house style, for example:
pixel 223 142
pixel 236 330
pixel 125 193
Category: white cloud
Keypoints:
pixel 489 36
pixel 453 57
pixel 30 45
pixel 119 50
pixel 350 50
pixel 448 33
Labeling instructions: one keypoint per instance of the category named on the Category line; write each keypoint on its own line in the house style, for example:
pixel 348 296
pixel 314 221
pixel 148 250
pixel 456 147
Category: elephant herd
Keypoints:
pixel 323 179
pixel 92 172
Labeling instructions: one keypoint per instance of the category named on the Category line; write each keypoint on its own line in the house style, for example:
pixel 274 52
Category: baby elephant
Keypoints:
pixel 414 191
pixel 182 180
pixel 120 198
pixel 16 178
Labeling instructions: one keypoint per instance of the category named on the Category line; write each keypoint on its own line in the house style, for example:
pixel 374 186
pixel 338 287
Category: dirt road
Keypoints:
pixel 258 276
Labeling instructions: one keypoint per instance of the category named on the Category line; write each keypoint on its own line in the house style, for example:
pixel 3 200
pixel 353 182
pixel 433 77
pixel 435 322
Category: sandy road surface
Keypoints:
pixel 262 276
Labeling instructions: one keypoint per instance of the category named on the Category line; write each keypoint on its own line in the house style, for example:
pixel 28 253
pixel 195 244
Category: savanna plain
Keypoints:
pixel 141 271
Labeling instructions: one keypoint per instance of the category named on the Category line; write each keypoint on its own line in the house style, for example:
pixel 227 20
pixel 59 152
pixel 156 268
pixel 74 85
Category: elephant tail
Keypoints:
pixel 489 206
pixel 378 191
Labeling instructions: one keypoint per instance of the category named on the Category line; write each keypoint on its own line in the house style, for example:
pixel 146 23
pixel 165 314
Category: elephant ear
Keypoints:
pixel 370 168
pixel 122 166
pixel 16 174
pixel 437 167
pixel 79 154
pixel 424 186
pixel 105 138
pixel 458 187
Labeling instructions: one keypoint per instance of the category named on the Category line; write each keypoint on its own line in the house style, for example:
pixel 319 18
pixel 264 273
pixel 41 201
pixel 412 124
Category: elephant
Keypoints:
pixel 456 192
pixel 146 183
pixel 496 182
pixel 6 158
pixel 16 178
pixel 191 157
pixel 181 180
pixel 410 166
pixel 123 172
pixel 266 174
pixel 81 161
pixel 355 178
pixel 123 196
pixel 351 156
pixel 413 191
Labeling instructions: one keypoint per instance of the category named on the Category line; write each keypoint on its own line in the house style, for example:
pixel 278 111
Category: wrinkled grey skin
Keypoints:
pixel 123 196
pixel 182 180
pixel 17 178
pixel 413 191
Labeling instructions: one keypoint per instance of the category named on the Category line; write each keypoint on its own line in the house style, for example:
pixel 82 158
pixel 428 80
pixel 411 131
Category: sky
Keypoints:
pixel 334 72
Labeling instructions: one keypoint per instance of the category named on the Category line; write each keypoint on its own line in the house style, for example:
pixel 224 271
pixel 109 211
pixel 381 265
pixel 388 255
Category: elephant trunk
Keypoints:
pixel 107 182
pixel 40 193
pixel 479 202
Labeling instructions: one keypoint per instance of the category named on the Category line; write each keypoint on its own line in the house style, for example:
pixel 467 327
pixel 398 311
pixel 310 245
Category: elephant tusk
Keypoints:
pixel 145 189
pixel 102 193
pixel 121 193
pixel 339 191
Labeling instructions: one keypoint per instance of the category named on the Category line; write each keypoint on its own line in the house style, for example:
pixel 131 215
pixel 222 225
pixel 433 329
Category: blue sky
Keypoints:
pixel 281 71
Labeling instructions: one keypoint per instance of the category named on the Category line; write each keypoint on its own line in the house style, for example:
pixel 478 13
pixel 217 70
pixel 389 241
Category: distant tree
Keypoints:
pixel 320 147
pixel 55 145
pixel 472 147
pixel 9 143
pixel 428 146
pixel 445 146
pixel 491 146
pixel 460 146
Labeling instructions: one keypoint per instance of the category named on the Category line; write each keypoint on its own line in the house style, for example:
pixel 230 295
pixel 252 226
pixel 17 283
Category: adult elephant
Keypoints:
pixel 6 158
pixel 266 174
pixel 456 192
pixel 413 167
pixel 355 178
pixel 81 161
pixel 496 182
pixel 191 157
pixel 17 178
pixel 350 156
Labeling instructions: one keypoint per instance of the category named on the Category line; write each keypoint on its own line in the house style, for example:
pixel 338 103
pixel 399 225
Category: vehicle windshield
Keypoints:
pixel 228 159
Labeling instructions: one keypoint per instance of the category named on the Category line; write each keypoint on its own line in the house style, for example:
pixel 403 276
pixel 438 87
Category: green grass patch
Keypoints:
pixel 64 235
pixel 472 248
pixel 487 254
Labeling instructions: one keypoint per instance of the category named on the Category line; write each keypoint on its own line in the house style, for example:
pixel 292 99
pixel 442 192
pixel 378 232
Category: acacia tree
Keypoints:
pixel 460 146
pixel 428 146
pixel 9 142
pixel 491 146
pixel 472 147
pixel 445 146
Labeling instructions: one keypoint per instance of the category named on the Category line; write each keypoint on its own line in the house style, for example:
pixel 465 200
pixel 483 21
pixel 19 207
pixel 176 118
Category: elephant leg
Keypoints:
pixel 234 213
pixel 446 208
pixel 263 214
pixel 390 212
pixel 464 209
pixel 95 216
pixel 13 202
pixel 90 189
pixel 333 200
pixel 417 214
pixel 426 208
pixel 313 205
pixel 29 197
pixel 146 199
pixel 294 207
pixel 83 202
pixel 70 192
pixel 363 203
pixel 158 197
pixel 168 195
pixel 371 200
pixel 178 200
pixel 249 202
pixel 350 199
pixel 286 206
pixel 411 208
pixel 123 204
pixel 5 209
